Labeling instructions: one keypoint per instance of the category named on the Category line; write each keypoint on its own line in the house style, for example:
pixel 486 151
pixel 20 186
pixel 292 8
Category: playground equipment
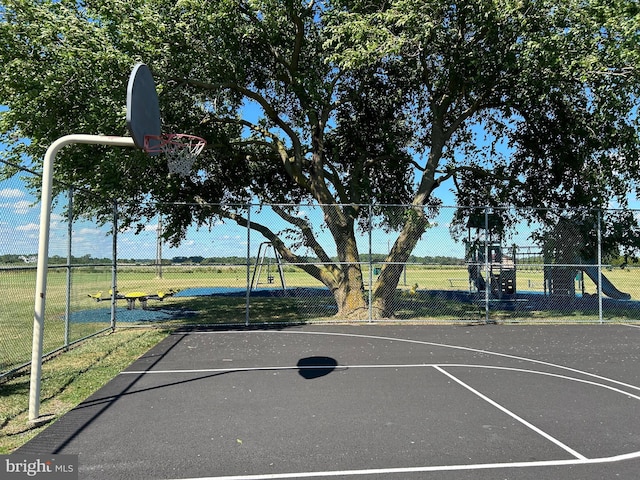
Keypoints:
pixel 260 264
pixel 559 279
pixel 563 255
pixel 607 287
pixel 131 297
pixel 499 268
pixel 488 259
pixel 559 258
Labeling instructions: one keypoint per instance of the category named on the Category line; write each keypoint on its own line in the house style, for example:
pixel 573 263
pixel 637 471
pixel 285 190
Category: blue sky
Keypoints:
pixel 19 226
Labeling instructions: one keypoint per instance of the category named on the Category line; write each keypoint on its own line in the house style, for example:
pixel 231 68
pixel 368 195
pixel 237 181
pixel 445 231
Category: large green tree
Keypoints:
pixel 341 103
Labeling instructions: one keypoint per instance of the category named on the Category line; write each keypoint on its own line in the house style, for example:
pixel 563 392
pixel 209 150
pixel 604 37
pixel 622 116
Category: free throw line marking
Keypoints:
pixel 396 366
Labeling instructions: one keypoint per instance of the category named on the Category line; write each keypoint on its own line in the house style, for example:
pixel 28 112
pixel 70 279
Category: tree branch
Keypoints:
pixel 292 163
pixel 259 99
pixel 334 177
pixel 307 232
pixel 299 38
pixel 477 172
pixel 459 120
pixel 313 270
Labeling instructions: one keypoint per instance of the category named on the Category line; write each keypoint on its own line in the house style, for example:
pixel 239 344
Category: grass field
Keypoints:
pixel 17 286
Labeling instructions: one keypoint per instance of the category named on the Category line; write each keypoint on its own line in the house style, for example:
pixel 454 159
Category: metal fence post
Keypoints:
pixel 248 281
pixel 487 272
pixel 370 266
pixel 600 266
pixel 159 247
pixel 67 307
pixel 114 265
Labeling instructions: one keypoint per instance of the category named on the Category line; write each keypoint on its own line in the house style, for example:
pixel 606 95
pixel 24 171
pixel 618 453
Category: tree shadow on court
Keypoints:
pixel 214 310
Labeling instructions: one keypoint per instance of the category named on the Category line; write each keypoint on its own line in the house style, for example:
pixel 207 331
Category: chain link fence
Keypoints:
pixel 459 265
pixel 72 271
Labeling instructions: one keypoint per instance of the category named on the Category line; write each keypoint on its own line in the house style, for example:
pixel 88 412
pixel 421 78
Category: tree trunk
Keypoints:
pixel 348 285
pixel 416 223
pixel 349 294
pixel 384 292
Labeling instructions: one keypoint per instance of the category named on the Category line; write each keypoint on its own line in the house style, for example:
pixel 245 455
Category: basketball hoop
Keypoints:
pixel 180 149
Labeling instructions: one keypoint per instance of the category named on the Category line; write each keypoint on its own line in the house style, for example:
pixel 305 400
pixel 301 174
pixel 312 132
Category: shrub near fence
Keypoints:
pixel 229 275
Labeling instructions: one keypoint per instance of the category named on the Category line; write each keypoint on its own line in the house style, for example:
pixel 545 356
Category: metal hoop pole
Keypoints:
pixel 43 254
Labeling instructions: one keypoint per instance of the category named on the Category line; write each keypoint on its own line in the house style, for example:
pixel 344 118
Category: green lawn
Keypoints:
pixel 16 303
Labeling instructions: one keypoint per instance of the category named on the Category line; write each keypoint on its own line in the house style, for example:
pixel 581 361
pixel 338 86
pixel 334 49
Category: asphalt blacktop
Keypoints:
pixel 366 402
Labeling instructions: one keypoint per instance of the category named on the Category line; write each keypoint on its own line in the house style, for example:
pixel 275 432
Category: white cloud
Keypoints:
pixel 89 231
pixel 22 207
pixel 18 207
pixel 11 193
pixel 28 227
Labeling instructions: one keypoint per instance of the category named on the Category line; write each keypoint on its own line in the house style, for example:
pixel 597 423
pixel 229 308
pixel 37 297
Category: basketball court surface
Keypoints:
pixel 366 402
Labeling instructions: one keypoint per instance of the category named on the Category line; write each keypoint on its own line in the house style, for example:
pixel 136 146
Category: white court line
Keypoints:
pixel 433 344
pixel 435 468
pixel 423 469
pixel 629 325
pixel 394 366
pixel 548 374
pixel 544 434
pixel 438 367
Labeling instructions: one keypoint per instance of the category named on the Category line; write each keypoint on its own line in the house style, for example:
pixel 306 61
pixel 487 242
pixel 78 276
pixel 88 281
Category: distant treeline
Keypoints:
pixel 31 259
pixel 375 258
pixel 199 260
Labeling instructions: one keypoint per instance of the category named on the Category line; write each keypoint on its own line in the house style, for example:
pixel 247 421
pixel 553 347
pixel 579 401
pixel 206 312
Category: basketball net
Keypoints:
pixel 180 149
